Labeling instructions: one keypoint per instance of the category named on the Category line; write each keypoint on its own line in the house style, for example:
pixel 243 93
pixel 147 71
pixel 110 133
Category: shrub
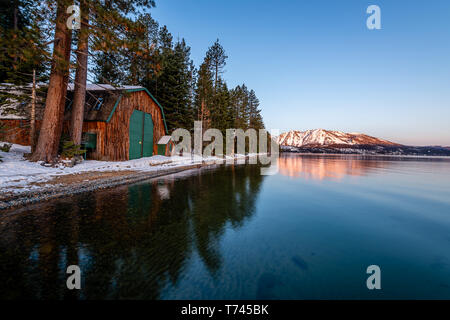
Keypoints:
pixel 70 149
pixel 6 147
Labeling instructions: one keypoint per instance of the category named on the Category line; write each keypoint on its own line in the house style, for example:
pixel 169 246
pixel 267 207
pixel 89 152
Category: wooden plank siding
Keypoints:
pixel 16 131
pixel 113 138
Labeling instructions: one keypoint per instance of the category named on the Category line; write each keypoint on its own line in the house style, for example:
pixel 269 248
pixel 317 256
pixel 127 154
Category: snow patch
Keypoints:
pixel 18 174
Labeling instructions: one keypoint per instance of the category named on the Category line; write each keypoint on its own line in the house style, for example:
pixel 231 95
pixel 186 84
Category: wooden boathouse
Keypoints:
pixel 119 123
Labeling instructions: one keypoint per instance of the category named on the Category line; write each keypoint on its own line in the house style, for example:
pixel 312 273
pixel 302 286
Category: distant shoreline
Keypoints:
pixel 368 149
pixel 366 155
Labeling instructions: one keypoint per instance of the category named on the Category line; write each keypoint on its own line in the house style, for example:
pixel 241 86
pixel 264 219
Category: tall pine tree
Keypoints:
pixel 171 84
pixel 217 60
pixel 204 93
pixel 255 118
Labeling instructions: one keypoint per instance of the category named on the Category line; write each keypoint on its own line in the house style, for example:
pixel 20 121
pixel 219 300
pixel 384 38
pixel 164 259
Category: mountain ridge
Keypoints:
pixel 322 141
pixel 322 137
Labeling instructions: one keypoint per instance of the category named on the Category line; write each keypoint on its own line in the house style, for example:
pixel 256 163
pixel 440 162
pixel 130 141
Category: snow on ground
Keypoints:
pixel 17 173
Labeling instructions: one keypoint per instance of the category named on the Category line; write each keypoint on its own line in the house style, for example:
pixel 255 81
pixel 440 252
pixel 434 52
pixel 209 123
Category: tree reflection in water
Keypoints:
pixel 129 242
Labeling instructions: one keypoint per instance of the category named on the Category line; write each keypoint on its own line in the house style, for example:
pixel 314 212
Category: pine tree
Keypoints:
pixel 221 111
pixel 152 60
pixel 48 142
pixel 212 97
pixel 172 81
pixel 115 39
pixel 255 118
pixel 143 60
pixel 204 92
pixel 76 122
pixel 240 105
pixel 217 60
pixel 183 92
pixel 108 68
pixel 166 79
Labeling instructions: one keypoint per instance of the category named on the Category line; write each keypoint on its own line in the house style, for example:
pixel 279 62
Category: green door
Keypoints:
pixel 148 135
pixel 141 135
pixel 136 134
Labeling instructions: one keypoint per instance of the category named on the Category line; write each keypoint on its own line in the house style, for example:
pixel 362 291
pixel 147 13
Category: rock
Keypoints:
pixel 72 163
pixel 78 159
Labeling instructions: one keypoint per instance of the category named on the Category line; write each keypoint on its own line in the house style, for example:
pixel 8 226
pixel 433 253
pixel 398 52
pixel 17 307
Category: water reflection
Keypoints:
pixel 229 234
pixel 332 167
pixel 129 242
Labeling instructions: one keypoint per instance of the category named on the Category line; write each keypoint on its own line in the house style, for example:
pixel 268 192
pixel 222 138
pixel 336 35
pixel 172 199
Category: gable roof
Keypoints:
pixel 102 101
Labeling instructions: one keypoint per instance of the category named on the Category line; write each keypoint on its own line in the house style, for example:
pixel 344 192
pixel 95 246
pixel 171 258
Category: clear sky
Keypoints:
pixel 314 63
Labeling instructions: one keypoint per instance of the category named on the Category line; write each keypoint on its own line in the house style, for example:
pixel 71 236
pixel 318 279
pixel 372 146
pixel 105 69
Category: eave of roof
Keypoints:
pixel 102 87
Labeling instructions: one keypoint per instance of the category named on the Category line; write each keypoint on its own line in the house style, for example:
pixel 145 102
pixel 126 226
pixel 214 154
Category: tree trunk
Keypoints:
pixel 50 133
pixel 79 95
pixel 16 16
pixel 217 76
pixel 202 112
pixel 33 113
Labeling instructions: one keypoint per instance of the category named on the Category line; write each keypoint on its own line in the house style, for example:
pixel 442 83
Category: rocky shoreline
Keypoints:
pixel 47 193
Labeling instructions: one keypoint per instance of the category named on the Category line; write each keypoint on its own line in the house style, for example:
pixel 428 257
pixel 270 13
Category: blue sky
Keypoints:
pixel 314 64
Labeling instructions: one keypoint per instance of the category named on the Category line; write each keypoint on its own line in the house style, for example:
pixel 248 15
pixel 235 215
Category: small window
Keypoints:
pixel 98 105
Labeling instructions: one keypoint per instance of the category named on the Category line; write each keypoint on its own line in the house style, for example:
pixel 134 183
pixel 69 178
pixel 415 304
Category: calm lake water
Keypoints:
pixel 309 232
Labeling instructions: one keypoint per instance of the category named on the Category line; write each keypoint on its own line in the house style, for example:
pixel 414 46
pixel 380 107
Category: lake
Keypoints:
pixel 308 232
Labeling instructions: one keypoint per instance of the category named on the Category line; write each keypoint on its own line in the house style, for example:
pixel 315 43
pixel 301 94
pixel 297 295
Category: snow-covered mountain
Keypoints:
pixel 321 137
